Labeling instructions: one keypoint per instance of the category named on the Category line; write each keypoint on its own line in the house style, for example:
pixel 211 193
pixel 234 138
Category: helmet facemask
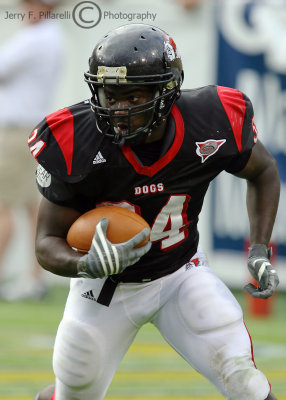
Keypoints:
pixel 163 97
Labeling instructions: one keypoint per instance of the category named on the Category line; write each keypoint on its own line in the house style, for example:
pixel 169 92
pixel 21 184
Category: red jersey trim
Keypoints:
pixel 235 107
pixel 151 170
pixel 61 124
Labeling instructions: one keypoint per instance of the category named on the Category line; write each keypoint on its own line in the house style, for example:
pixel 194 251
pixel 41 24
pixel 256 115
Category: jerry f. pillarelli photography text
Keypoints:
pixel 40 15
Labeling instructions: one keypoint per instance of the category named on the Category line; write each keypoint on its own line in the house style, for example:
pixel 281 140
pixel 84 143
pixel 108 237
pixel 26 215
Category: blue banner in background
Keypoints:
pixel 252 58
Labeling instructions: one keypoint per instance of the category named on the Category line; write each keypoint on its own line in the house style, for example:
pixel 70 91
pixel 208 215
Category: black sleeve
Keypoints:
pixel 56 190
pixel 238 162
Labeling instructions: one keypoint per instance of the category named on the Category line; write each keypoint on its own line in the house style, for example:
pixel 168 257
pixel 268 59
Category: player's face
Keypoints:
pixel 123 98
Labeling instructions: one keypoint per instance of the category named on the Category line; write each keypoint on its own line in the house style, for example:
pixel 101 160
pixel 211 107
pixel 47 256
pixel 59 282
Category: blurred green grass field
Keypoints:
pixel 150 370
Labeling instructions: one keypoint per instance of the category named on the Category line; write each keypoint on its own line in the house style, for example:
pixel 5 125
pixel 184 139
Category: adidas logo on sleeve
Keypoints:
pixel 98 159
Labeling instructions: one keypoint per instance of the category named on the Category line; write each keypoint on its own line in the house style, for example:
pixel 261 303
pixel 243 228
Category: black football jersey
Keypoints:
pixel 210 129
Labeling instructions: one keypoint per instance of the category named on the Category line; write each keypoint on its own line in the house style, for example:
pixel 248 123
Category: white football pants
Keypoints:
pixel 194 311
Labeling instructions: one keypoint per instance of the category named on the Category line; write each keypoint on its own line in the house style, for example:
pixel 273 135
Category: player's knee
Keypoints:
pixel 77 356
pixel 247 383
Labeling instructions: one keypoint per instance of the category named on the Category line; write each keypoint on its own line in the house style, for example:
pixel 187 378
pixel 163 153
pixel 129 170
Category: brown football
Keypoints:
pixel 123 225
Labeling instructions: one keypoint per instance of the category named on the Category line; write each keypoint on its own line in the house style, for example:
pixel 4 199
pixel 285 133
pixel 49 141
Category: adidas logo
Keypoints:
pixel 98 159
pixel 89 295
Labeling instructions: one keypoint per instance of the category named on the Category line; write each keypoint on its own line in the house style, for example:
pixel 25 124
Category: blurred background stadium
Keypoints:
pixel 235 43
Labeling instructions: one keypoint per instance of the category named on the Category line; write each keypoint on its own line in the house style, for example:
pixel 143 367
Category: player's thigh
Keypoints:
pixel 203 322
pixel 91 341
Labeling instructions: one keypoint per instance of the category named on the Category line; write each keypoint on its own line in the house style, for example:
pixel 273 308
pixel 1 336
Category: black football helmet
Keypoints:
pixel 134 55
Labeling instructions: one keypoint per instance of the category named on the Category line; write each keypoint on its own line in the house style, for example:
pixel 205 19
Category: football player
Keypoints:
pixel 141 143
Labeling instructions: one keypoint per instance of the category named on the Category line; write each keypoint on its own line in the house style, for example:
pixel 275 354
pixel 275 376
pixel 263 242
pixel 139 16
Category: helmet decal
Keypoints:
pixel 170 48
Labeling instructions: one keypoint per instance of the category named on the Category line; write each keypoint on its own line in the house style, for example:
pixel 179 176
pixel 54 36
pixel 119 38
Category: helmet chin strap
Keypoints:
pixel 119 138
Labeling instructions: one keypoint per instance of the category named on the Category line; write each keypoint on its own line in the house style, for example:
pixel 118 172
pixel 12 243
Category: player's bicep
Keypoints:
pixel 54 220
pixel 259 161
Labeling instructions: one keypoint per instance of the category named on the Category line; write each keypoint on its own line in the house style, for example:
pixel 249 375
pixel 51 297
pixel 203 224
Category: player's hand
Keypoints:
pixel 105 258
pixel 262 271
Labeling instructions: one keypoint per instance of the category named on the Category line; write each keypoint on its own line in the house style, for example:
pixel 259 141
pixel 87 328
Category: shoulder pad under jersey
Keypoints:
pixel 220 113
pixel 239 111
pixel 65 142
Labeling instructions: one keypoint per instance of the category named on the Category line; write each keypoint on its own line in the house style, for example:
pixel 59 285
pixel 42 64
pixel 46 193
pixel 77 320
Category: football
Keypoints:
pixel 123 225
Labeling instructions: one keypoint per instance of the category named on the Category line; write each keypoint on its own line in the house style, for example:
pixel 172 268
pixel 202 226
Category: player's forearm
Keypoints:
pixel 262 202
pixel 55 255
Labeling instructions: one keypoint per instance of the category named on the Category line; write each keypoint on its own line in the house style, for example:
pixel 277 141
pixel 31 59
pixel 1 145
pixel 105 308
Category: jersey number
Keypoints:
pixel 38 146
pixel 171 224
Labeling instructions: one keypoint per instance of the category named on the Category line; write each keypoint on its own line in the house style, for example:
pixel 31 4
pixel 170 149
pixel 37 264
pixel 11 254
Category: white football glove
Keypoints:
pixel 262 271
pixel 105 258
